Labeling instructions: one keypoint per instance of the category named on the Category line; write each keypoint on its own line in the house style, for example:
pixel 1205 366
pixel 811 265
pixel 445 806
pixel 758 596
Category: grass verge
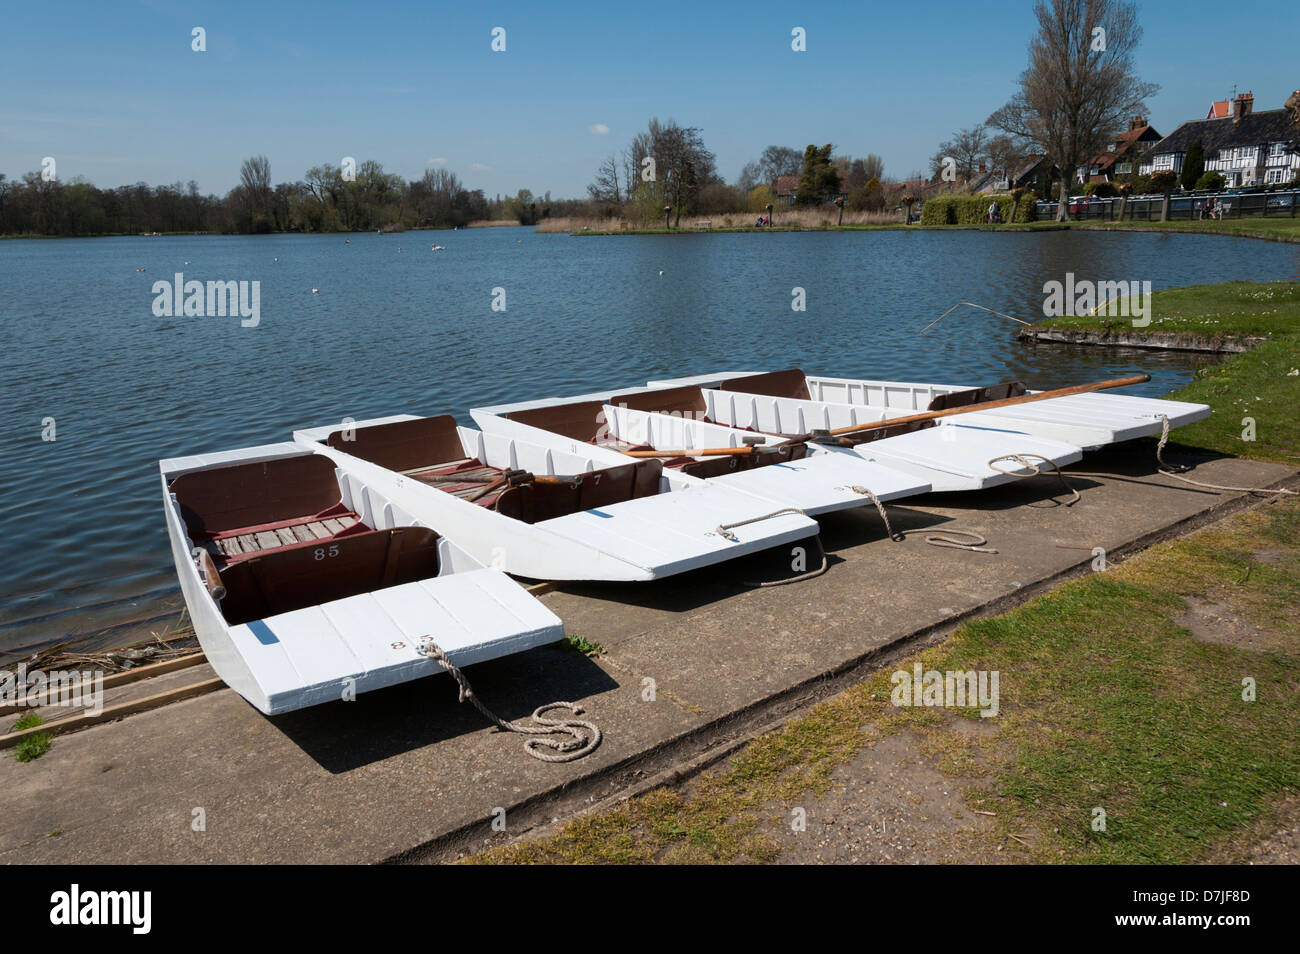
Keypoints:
pixel 1107 700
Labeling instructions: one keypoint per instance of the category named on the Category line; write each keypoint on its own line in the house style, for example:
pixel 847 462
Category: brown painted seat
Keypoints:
pixel 255 494
pixel 994 392
pixel 583 421
pixel 791 383
pixel 534 502
pixel 293 578
pixel 403 445
pixel 687 401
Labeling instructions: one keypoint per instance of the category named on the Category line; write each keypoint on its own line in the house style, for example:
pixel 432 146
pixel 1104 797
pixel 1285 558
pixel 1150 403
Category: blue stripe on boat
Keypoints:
pixel 263 633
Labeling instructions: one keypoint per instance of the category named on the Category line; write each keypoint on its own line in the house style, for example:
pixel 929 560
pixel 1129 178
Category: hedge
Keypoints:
pixel 972 209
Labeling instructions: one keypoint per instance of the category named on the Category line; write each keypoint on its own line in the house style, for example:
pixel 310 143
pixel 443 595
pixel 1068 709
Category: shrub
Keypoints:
pixel 973 209
pixel 1211 182
pixel 1102 190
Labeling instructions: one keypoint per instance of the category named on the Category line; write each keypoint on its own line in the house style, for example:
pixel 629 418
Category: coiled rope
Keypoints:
pixel 937 538
pixel 584 736
pixel 1034 471
pixel 1171 471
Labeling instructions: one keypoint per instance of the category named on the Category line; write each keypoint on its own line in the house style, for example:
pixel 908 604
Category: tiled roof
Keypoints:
pixel 1219 108
pixel 1271 125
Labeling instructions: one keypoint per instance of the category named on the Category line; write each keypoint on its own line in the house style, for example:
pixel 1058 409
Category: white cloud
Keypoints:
pixel 437 161
pixel 479 167
pixel 598 129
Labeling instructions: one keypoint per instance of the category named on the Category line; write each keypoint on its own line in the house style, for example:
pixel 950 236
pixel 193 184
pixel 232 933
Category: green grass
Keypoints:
pixel 35 745
pixel 1106 702
pixel 1230 309
pixel 1257 384
pixel 1274 228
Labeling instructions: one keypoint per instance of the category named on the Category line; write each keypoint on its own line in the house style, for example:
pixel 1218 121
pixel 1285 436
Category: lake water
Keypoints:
pixel 396 327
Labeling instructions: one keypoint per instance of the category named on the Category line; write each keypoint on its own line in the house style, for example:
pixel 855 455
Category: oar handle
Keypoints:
pixel 745 451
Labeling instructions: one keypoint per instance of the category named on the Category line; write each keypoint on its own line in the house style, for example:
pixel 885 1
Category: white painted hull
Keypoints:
pixel 641 539
pixel 1089 421
pixel 347 646
pixel 817 484
pixel 947 457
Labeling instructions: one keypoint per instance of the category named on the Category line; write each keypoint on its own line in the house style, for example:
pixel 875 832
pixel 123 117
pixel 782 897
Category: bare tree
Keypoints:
pixel 607 189
pixel 1080 87
pixel 966 149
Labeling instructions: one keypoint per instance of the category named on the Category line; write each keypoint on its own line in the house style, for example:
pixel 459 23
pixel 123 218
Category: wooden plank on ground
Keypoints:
pixel 131 675
pixel 109 713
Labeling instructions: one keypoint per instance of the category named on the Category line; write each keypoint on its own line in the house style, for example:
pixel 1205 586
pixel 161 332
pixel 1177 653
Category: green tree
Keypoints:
pixel 1193 165
pixel 820 178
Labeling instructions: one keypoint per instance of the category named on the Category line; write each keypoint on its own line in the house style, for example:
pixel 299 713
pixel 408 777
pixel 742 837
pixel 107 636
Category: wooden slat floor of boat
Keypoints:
pixel 472 471
pixel 302 532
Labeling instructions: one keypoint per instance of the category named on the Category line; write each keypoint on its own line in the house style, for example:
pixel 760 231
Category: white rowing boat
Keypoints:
pixel 1089 421
pixel 946 456
pixel 549 513
pixel 307 584
pixel 611 426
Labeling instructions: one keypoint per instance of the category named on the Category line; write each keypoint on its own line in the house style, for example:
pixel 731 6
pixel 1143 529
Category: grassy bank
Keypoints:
pixel 1114 695
pixel 1259 384
pixel 1271 229
pixel 1120 692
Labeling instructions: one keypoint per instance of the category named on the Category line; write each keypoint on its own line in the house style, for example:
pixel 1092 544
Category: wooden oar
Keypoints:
pixel 986 406
pixel 747 450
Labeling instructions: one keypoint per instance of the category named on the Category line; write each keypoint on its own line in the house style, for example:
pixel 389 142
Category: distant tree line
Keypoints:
pixel 667 171
pixel 327 199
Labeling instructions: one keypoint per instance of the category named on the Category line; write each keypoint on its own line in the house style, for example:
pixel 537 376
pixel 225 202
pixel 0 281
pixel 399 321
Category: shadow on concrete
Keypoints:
pixel 689 591
pixel 343 736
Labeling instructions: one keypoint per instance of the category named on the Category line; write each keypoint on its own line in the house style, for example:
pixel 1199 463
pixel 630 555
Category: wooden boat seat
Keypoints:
pixel 403 445
pixel 686 401
pixel 292 578
pixel 582 421
pixel 791 383
pixel 255 507
pixel 534 502
pixel 994 392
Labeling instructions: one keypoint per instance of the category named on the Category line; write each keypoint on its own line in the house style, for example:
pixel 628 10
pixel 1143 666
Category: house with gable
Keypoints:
pixel 1249 148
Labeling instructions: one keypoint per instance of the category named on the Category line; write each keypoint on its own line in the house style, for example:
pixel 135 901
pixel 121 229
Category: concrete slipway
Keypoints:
pixel 409 774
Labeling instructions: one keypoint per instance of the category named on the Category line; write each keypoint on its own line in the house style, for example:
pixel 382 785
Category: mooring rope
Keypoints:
pixel 936 538
pixel 724 529
pixel 581 743
pixel 1169 471
pixel 1034 471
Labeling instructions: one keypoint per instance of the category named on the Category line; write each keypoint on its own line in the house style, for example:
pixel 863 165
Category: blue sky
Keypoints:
pixel 115 93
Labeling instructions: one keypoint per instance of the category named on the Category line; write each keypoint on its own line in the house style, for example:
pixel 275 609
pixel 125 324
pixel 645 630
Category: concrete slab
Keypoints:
pixel 406 772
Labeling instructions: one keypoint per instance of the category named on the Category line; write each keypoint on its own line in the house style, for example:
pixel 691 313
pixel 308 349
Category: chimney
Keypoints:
pixel 1242 105
pixel 983 167
pixel 1137 122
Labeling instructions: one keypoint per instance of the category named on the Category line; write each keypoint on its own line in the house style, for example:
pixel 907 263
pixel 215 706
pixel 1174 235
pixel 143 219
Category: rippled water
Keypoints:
pixel 413 330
